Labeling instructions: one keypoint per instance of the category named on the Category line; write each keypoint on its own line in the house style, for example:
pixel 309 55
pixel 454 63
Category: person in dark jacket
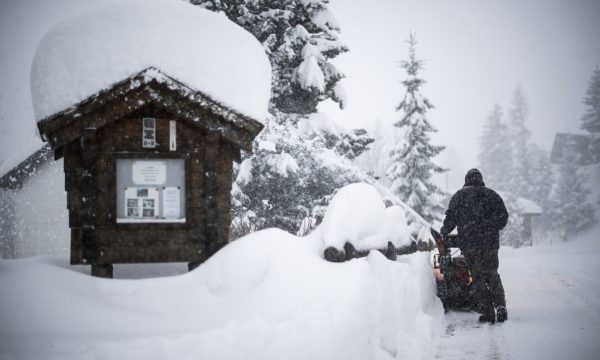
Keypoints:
pixel 479 214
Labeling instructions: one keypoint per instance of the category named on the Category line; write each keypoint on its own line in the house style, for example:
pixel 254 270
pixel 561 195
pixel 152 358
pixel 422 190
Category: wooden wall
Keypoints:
pixel 90 181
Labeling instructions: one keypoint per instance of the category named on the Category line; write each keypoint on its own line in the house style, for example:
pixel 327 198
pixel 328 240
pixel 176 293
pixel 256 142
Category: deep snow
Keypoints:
pixel 266 296
pixel 270 295
pixel 90 52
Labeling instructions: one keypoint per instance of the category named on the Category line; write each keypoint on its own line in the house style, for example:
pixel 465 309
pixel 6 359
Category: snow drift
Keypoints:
pixel 269 295
pixel 82 56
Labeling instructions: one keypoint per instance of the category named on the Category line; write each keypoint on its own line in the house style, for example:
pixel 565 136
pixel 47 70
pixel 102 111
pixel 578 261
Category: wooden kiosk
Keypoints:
pixel 148 171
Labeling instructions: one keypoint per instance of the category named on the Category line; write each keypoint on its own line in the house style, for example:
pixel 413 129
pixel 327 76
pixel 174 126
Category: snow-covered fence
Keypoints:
pixel 357 221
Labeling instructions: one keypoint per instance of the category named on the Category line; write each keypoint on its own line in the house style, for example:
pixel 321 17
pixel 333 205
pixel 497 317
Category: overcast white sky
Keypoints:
pixel 476 53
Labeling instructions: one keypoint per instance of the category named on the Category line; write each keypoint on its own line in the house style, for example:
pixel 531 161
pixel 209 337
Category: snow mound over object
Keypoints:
pixel 357 214
pixel 202 49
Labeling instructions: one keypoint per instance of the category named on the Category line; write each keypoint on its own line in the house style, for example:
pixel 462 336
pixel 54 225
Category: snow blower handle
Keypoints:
pixel 445 258
pixel 439 241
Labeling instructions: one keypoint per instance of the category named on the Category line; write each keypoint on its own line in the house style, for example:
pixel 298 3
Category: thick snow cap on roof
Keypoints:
pixel 202 49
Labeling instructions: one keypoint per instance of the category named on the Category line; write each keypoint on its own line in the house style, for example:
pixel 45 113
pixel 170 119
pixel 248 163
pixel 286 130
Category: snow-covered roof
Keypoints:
pixel 149 86
pixel 204 50
pixel 20 155
pixel 527 206
pixel 524 206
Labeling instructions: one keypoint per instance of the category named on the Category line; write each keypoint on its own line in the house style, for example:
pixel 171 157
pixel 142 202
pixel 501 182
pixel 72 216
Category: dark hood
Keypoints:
pixel 474 178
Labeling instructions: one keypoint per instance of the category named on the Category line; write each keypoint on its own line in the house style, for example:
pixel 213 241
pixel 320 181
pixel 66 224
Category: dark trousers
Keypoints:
pixel 488 285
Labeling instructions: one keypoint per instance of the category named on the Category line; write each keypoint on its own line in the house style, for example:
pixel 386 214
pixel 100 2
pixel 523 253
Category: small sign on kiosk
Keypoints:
pixel 149 133
pixel 149 172
pixel 171 202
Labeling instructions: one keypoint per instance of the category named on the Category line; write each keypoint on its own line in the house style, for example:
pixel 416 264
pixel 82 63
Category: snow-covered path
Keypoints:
pixel 553 298
pixel 249 302
pixel 464 338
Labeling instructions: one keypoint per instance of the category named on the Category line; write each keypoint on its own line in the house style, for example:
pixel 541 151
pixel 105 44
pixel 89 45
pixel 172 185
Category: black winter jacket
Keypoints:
pixel 479 213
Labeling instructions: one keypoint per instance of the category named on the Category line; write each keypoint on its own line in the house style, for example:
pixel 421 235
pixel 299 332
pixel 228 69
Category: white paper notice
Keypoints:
pixel 149 172
pixel 171 202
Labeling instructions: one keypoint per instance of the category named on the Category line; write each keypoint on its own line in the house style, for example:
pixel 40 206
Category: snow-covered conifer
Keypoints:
pixel 570 211
pixel 493 150
pixel 290 175
pixel 542 177
pixel 412 168
pixel 591 118
pixel 300 37
pixel 300 158
pixel 520 183
pixel 512 234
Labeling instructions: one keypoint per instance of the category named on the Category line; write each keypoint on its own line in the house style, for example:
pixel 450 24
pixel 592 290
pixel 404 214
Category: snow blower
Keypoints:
pixel 454 281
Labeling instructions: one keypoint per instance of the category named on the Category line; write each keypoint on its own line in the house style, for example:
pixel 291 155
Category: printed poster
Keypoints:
pixel 141 202
pixel 171 202
pixel 149 172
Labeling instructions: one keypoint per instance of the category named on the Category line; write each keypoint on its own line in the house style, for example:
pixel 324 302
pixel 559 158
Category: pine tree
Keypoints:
pixel 514 166
pixel 591 118
pixel 300 37
pixel 495 161
pixel 412 168
pixel 299 159
pixel 543 180
pixel 570 210
pixel 285 179
pixel 512 234
pixel 521 182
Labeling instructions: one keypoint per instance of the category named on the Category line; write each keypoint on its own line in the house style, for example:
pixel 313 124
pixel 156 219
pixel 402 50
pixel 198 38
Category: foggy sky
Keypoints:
pixel 476 53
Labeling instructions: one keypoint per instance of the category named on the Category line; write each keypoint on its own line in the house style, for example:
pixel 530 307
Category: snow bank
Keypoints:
pixel 357 214
pixel 89 53
pixel 268 295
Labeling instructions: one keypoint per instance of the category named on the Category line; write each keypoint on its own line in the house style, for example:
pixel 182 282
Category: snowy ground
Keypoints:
pixel 270 295
pixel 266 296
pixel 553 302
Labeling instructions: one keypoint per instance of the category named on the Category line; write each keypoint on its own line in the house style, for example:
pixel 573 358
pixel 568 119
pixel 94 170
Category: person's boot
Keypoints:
pixel 501 314
pixel 489 317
